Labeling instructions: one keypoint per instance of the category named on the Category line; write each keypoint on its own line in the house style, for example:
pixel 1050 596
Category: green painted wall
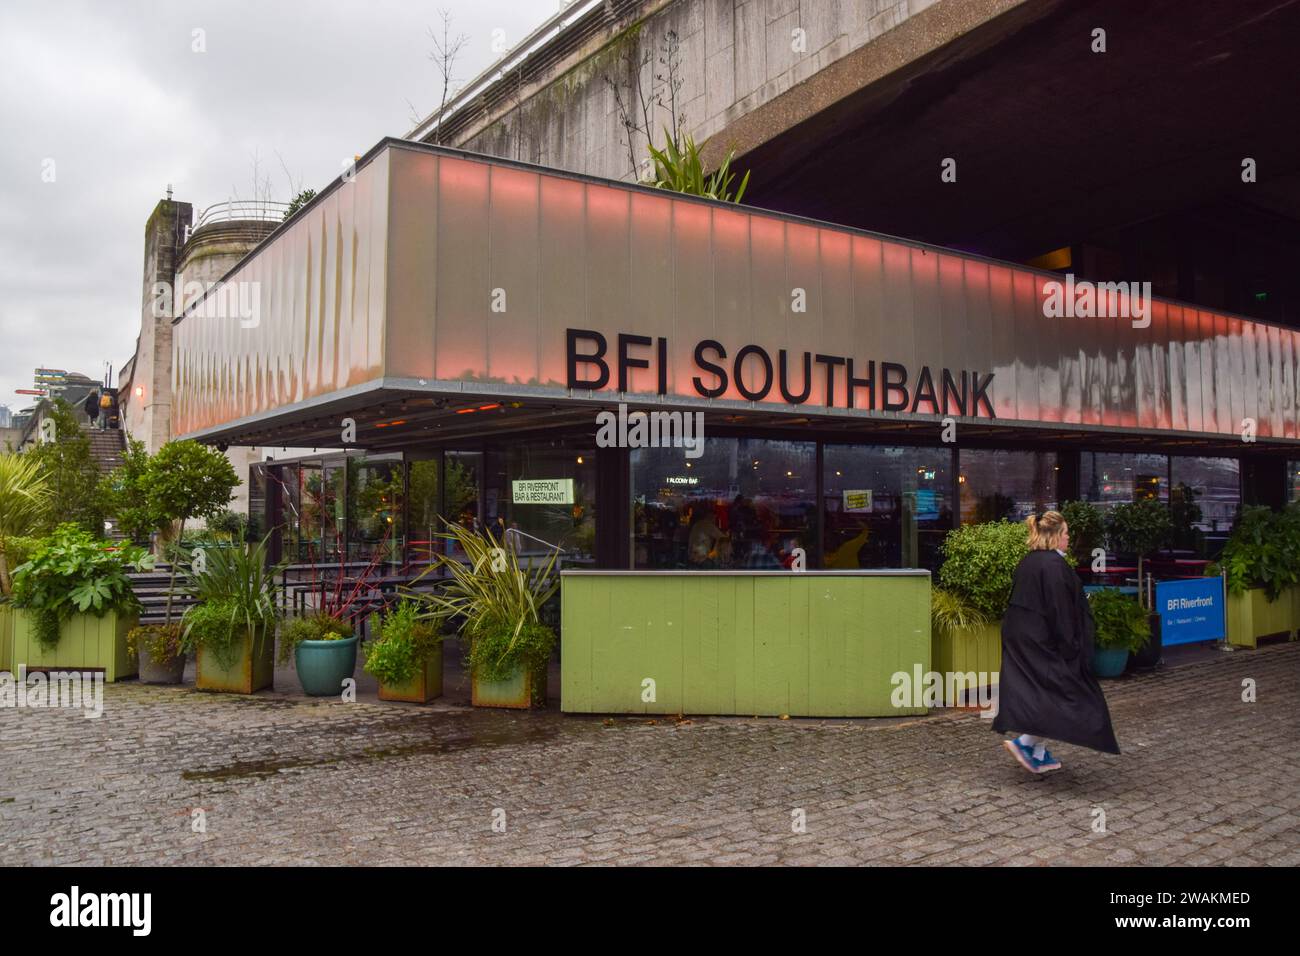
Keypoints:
pixel 813 644
pixel 85 641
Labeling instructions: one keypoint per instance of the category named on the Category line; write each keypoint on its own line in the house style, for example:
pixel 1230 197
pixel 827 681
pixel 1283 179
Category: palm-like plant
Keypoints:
pixel 681 170
pixel 25 499
pixel 489 589
pixel 242 585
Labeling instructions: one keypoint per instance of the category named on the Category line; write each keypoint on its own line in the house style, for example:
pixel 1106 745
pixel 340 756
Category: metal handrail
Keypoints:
pixel 233 210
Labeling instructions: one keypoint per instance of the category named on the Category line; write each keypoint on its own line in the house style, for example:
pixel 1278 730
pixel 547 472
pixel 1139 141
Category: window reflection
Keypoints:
pixel 744 503
pixel 885 507
pixel 1109 478
pixel 1203 502
pixel 998 485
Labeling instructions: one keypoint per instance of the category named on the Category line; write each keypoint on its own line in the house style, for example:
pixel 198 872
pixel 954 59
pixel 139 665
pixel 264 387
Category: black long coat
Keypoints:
pixel 1047 687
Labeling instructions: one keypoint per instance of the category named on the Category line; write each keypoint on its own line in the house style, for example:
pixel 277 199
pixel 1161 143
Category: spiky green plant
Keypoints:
pixel 498 599
pixel 237 594
pixel 25 497
pixel 681 170
pixel 952 612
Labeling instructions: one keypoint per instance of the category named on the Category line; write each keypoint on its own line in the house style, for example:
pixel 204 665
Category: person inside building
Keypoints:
pixel 1047 688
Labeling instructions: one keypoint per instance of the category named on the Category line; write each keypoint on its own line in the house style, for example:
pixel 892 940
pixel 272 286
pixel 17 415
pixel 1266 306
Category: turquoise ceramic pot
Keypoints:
pixel 1109 662
pixel 323 666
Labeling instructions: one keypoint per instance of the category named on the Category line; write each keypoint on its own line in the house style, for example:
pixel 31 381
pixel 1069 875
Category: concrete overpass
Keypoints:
pixel 1118 159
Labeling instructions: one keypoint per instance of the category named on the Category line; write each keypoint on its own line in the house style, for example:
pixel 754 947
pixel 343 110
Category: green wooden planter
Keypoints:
pixel 6 637
pixel 423 687
pixel 1252 616
pixel 967 650
pixel 86 642
pixel 527 689
pixel 246 675
pixel 810 644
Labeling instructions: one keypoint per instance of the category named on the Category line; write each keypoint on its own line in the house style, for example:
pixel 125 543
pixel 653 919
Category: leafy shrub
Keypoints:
pixel 1263 551
pixel 498 649
pixel 237 594
pixel 218 626
pixel 313 627
pixel 163 642
pixel 1139 526
pixel 227 525
pixel 404 645
pixel 980 564
pixel 1087 529
pixel 74 572
pixel 499 601
pixel 1121 621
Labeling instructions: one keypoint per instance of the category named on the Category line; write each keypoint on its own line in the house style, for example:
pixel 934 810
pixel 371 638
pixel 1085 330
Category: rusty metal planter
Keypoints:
pixel 420 689
pixel 86 643
pixel 527 689
pixel 246 675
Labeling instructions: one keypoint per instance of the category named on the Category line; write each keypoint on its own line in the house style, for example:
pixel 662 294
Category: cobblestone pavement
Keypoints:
pixel 1205 778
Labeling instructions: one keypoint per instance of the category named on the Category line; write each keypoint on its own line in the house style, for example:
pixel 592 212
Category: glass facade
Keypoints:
pixel 999 485
pixel 544 496
pixel 1204 496
pixel 885 507
pixel 376 495
pixel 744 503
pixel 1109 478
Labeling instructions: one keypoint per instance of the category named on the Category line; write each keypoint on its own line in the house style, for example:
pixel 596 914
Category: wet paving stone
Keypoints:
pixel 1205 778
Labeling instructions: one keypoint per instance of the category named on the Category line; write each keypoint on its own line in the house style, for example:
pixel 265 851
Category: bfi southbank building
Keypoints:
pixel 645 380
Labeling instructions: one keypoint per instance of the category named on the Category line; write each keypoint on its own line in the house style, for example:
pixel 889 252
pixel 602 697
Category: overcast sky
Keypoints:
pixel 115 95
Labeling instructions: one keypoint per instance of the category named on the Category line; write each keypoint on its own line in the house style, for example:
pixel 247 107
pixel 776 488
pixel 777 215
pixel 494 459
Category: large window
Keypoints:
pixel 1109 478
pixel 885 507
pixel 1203 501
pixel 1005 485
pixel 744 503
pixel 547 500
pixel 375 531
pixel 424 481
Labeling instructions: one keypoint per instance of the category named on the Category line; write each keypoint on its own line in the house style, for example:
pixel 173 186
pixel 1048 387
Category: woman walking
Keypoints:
pixel 1046 688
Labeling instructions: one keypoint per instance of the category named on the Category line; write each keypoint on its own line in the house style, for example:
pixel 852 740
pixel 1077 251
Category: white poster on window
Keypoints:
pixel 542 491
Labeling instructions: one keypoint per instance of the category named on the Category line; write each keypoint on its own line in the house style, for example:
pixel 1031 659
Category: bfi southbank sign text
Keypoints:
pixel 887 386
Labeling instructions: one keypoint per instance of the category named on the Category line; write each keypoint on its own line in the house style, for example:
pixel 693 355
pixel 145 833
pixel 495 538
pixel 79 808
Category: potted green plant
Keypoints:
pixel 1140 527
pixel 25 498
pixel 232 627
pixel 76 604
pixel 323 649
pixel 507 647
pixel 1261 566
pixel 1087 530
pixel 975 580
pixel 1123 627
pixel 161 650
pixel 407 656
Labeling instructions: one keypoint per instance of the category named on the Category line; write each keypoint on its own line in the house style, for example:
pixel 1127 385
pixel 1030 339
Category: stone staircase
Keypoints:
pixel 150 588
pixel 107 447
